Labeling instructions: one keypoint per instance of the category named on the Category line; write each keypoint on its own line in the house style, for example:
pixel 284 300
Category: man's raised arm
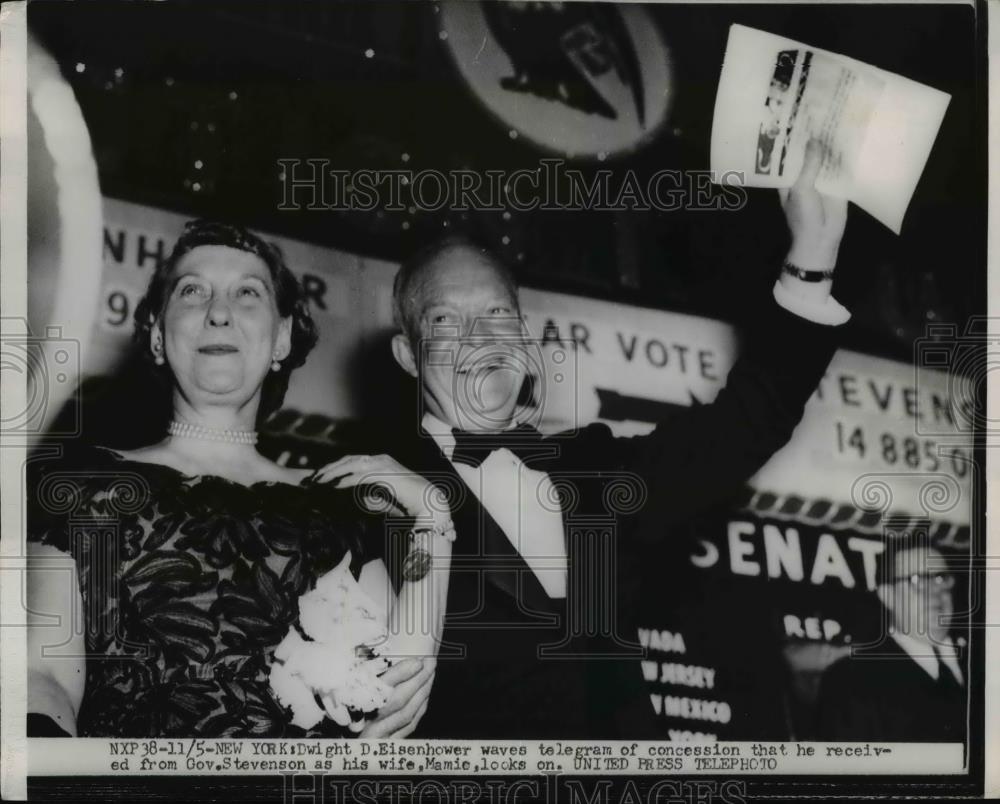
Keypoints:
pixel 706 453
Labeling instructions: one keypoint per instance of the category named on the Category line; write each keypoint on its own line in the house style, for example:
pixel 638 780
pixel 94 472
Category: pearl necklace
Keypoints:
pixel 188 430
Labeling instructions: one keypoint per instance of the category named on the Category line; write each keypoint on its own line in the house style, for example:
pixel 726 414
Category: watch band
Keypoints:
pixel 444 530
pixel 806 276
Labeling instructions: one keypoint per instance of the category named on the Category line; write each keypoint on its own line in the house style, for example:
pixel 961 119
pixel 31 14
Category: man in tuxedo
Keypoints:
pixel 539 638
pixel 912 686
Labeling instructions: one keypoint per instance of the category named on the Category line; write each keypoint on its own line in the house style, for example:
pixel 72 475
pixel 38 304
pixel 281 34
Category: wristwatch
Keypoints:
pixel 806 276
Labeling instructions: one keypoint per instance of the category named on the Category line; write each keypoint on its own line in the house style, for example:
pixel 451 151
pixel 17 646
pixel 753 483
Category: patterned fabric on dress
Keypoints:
pixel 188 586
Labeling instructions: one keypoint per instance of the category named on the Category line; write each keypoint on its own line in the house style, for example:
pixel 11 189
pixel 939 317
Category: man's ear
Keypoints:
pixel 403 353
pixel 283 343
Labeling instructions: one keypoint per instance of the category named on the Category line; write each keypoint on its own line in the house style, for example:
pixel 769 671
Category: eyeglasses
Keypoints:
pixel 921 580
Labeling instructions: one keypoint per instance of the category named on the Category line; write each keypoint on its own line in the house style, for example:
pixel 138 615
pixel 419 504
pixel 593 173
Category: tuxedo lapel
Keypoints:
pixel 507 570
pixel 480 542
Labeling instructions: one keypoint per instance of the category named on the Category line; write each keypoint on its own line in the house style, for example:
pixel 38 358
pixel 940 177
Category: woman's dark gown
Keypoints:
pixel 188 585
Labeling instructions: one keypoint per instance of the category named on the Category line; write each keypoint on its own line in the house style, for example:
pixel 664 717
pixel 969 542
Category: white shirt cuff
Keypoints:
pixel 829 311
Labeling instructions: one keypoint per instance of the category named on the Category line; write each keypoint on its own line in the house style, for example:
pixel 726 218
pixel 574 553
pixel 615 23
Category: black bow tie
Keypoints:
pixel 474 448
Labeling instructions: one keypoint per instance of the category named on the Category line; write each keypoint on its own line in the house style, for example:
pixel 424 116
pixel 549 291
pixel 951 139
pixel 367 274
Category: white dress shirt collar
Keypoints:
pixel 440 432
pixel 926 655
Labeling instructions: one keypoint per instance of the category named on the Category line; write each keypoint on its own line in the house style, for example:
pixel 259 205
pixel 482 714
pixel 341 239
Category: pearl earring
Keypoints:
pixel 158 357
pixel 275 365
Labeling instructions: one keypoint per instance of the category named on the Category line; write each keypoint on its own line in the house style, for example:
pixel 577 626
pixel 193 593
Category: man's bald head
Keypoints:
pixel 462 334
pixel 446 254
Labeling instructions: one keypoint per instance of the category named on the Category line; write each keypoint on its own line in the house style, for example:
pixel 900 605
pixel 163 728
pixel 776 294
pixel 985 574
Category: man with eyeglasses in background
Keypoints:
pixel 912 687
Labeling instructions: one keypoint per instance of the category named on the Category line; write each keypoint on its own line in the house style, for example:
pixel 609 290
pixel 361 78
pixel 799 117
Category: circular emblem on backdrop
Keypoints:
pixel 580 79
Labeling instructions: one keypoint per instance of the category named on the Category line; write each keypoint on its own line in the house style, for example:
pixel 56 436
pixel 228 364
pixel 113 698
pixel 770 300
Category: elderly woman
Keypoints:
pixel 191 555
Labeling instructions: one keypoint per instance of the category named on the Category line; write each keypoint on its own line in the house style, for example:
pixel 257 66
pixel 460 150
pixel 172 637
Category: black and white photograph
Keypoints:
pixel 494 400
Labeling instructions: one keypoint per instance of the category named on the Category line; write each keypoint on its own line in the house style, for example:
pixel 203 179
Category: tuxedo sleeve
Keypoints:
pixel 703 455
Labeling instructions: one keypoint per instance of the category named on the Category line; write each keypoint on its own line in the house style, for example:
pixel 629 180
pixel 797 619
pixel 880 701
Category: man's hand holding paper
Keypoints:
pixel 775 94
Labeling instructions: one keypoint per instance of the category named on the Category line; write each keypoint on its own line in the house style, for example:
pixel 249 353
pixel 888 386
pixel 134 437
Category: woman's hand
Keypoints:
pixel 421 601
pixel 411 680
pixel 409 493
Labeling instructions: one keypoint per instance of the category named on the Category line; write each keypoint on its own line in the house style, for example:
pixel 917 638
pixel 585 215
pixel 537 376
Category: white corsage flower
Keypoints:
pixel 339 664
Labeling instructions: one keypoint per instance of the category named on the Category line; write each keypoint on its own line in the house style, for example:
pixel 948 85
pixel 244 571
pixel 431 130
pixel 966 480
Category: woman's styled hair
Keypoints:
pixel 290 299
